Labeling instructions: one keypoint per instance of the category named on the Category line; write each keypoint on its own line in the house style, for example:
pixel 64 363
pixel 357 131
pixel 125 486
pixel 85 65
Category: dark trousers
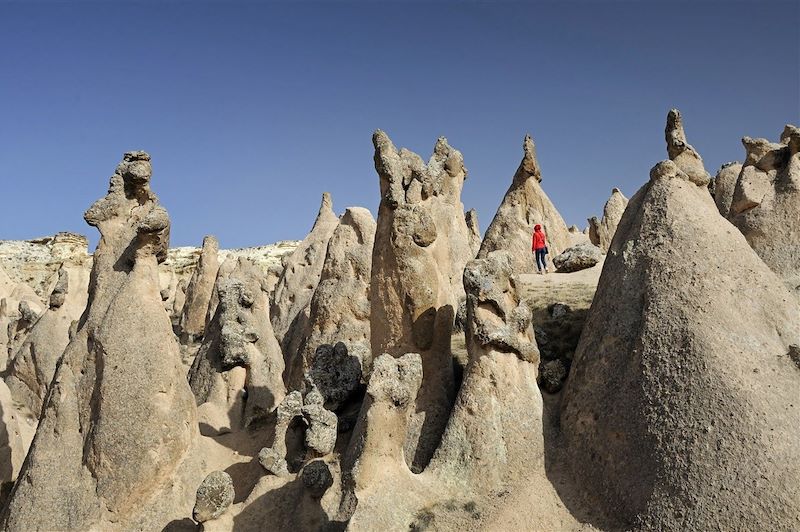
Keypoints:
pixel 541 258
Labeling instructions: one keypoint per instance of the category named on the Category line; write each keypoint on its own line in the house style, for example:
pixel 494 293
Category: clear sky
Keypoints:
pixel 251 110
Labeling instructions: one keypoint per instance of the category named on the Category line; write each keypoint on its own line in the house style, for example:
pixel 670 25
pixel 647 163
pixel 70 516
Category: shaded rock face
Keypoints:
pixel 601 231
pixel 33 365
pixel 317 429
pixel 340 308
pixel 724 186
pixel 198 292
pixel 301 274
pixel 335 373
pixel 236 376
pixel 766 203
pixel 485 437
pixel 525 205
pixel 669 423
pixel 118 423
pixel 12 445
pixel 422 243
pixel 578 257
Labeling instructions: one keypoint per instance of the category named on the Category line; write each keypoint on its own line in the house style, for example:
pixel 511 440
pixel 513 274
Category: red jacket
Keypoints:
pixel 539 241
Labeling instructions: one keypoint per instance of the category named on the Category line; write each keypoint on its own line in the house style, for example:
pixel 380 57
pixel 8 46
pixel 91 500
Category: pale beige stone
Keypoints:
pixel 198 291
pixel 114 445
pixel 524 206
pixel 422 243
pixel 340 308
pixel 675 412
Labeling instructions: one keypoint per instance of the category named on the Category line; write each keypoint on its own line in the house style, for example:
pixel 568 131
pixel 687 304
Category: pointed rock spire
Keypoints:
pixel 524 206
pixel 681 152
pixel 645 392
pixel 289 309
pixel 114 443
pixel 422 244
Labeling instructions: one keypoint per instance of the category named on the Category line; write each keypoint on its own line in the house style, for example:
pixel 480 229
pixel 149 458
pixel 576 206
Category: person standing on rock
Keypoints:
pixel 539 248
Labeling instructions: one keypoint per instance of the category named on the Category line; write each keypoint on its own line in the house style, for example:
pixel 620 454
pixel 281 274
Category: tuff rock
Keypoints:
pixel 524 206
pixel 422 243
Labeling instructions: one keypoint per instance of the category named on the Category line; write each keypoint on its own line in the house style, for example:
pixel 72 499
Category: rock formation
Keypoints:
pixel 13 447
pixel 471 217
pixel 317 428
pixel 33 365
pixel 578 257
pixel 681 152
pixel 766 203
pixel 35 263
pixel 237 375
pixel 525 205
pixel 198 291
pixel 214 496
pixel 118 425
pixel 602 231
pixel 497 419
pixel 500 377
pixel 676 410
pixel 376 461
pixel 340 308
pixel 724 185
pixel 422 244
pixel 301 274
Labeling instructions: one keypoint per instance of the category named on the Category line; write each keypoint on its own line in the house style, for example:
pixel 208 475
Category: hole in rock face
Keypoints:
pixel 295 444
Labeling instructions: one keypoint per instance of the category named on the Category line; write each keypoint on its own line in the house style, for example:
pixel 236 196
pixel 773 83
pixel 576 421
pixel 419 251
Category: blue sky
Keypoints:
pixel 252 110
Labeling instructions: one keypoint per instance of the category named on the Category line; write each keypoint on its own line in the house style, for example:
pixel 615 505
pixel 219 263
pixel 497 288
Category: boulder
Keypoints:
pixel 675 413
pixel 766 203
pixel 214 495
pixel 524 206
pixel 335 373
pixel 422 243
pixel 578 257
pixel 117 433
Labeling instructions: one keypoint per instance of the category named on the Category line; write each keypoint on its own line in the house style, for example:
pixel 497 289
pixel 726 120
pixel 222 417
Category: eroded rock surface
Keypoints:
pixel 340 308
pixel 681 152
pixel 198 291
pixel 766 203
pixel 671 423
pixel 725 185
pixel 422 243
pixel 33 365
pixel 237 375
pixel 118 426
pixel 601 231
pixel 301 274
